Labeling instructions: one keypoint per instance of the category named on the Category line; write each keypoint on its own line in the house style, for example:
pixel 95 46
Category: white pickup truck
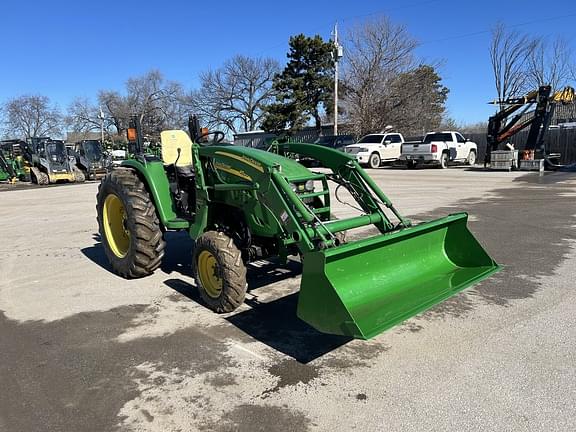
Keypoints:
pixel 374 149
pixel 439 148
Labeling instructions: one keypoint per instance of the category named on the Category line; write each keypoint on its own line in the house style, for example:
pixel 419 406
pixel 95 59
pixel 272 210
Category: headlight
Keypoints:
pixel 362 150
pixel 302 187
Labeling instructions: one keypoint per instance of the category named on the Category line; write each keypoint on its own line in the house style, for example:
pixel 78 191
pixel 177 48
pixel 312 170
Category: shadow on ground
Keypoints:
pixel 96 253
pixel 273 323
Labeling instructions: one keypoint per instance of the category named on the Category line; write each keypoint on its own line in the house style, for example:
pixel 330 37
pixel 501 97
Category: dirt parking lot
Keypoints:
pixel 84 350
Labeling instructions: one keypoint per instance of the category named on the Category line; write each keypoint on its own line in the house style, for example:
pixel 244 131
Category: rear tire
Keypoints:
pixel 128 225
pixel 219 271
pixel 374 161
pixel 444 161
pixel 471 158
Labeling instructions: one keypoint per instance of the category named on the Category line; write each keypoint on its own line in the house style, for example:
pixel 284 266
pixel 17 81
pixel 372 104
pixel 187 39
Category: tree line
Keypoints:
pixel 383 82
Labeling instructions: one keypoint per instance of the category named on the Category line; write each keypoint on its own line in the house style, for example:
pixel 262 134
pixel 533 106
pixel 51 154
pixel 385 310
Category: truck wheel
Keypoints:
pixel 374 161
pixel 219 271
pixel 471 158
pixel 444 161
pixel 128 225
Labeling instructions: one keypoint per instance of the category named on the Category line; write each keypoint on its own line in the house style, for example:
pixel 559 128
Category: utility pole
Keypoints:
pixel 336 55
pixel 101 117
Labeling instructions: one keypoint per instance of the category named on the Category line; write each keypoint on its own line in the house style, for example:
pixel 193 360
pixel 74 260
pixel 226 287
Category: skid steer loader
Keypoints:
pixel 91 159
pixel 49 162
pixel 242 204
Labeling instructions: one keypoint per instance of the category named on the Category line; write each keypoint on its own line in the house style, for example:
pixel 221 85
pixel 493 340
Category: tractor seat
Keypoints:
pixel 174 142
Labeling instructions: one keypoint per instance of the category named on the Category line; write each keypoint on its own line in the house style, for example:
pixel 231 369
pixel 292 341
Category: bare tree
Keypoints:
pixel 376 52
pixel 233 96
pixel 32 115
pixel 550 63
pixel 417 101
pixel 116 109
pixel 478 127
pixel 160 104
pixel 82 116
pixel 155 100
pixel 509 55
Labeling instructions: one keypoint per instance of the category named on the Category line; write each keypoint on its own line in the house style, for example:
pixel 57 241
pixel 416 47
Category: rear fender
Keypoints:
pixel 154 177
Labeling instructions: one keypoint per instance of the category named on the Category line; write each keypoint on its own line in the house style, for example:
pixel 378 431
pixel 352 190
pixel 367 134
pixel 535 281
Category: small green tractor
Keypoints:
pixel 7 172
pixel 13 167
pixel 242 204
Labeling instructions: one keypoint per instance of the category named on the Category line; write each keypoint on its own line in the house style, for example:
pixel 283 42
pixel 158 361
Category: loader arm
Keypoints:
pixel 366 286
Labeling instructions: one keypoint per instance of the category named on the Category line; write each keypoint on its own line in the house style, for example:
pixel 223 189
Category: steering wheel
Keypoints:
pixel 218 137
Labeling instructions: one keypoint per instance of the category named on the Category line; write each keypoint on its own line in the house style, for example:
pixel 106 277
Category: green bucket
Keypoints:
pixel 364 287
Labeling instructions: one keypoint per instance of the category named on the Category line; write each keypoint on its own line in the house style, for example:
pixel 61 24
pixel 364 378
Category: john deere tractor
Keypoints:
pixel 7 172
pixel 242 204
pixel 13 167
pixel 49 162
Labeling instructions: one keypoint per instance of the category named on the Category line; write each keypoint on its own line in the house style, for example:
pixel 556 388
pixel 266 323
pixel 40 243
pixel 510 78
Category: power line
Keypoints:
pixel 353 17
pixel 466 35
pixel 433 41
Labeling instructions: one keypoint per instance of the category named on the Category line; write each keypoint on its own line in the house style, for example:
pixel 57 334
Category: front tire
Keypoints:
pixel 471 158
pixel 219 271
pixel 128 225
pixel 374 161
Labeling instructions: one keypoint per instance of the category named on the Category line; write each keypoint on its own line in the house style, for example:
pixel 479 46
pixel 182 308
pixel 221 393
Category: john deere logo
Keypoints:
pixel 228 169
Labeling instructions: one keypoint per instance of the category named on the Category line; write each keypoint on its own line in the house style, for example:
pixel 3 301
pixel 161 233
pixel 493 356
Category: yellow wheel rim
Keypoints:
pixel 208 271
pixel 117 234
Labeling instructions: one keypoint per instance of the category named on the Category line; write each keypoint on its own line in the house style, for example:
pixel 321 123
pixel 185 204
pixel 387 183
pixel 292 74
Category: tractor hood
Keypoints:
pixel 256 159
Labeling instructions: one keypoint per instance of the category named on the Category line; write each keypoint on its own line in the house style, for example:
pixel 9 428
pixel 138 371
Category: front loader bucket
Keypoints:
pixel 364 287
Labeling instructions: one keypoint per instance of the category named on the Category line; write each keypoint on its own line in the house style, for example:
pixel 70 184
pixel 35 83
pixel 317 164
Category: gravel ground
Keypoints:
pixel 84 350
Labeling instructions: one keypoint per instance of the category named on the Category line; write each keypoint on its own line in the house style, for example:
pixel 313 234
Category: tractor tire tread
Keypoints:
pixel 233 270
pixel 147 242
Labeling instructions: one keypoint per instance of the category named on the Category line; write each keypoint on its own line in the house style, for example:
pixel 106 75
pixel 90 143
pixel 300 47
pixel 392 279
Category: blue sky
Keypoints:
pixel 65 49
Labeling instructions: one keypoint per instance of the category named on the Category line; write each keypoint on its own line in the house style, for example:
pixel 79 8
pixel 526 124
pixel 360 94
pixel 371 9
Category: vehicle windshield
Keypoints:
pixel 92 150
pixel 377 139
pixel 56 148
pixel 437 137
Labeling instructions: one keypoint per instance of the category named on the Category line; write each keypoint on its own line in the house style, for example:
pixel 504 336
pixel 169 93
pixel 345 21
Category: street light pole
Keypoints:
pixel 101 117
pixel 337 55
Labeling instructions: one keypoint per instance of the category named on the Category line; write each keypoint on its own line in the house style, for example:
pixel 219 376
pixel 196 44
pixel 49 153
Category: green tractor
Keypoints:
pixel 7 172
pixel 242 204
pixel 13 167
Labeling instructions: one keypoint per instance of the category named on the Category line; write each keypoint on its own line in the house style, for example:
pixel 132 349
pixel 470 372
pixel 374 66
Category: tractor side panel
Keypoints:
pixel 155 178
pixel 259 218
pixel 236 169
